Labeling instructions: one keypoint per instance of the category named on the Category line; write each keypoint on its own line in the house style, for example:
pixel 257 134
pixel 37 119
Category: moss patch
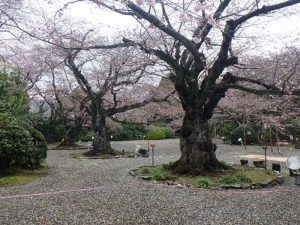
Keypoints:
pixel 75 147
pixel 20 177
pixel 103 155
pixel 236 177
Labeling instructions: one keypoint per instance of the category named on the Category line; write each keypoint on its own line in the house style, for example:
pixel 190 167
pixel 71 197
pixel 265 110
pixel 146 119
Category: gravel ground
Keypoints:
pixel 95 191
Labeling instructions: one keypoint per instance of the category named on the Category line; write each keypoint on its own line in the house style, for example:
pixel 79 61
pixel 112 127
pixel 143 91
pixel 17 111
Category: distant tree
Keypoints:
pixel 110 86
pixel 281 69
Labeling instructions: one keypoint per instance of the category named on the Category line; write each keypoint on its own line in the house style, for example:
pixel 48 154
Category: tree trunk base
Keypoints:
pixel 180 167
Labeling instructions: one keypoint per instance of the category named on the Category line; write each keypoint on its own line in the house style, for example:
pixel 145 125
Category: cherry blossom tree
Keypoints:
pixel 281 69
pixel 109 85
pixel 68 105
pixel 196 41
pixel 106 73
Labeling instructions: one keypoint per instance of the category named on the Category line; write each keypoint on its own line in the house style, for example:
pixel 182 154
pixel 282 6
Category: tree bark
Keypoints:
pixel 101 143
pixel 197 149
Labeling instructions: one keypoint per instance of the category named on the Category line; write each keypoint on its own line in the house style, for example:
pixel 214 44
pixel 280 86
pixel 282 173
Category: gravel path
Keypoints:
pixel 95 191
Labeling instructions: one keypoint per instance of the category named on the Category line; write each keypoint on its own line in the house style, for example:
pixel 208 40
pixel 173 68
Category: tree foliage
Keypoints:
pixel 14 98
pixel 20 144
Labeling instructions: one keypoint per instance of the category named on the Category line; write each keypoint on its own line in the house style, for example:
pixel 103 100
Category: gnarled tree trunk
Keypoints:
pixel 197 149
pixel 101 143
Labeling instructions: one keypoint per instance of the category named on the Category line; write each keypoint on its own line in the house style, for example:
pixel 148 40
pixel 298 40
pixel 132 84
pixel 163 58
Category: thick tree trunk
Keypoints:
pixel 101 143
pixel 197 149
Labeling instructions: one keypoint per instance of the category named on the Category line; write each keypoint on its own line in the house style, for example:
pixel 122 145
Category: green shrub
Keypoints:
pixel 53 131
pixel 40 144
pixel 226 131
pixel 15 146
pixel 167 131
pixel 86 135
pixel 17 149
pixel 239 133
pixel 157 134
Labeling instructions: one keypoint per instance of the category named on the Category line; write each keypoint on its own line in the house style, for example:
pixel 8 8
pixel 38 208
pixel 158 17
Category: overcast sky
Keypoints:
pixel 278 33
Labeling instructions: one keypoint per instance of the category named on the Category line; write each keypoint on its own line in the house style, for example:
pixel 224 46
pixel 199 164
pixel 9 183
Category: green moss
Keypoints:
pixel 259 175
pixel 236 175
pixel 20 177
pixel 102 155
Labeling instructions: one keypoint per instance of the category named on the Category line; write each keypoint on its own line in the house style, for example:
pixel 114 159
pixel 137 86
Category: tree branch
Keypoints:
pixel 206 29
pixel 125 108
pixel 265 10
pixel 168 30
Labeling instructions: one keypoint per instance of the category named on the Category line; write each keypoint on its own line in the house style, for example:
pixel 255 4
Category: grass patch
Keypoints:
pixel 20 177
pixel 236 175
pixel 260 175
pixel 156 173
pixel 236 178
pixel 203 182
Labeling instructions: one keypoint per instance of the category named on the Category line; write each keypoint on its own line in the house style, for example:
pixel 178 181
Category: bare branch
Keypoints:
pixel 265 10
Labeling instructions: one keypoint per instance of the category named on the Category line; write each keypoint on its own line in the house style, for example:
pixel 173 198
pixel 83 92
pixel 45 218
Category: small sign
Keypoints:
pixel 249 132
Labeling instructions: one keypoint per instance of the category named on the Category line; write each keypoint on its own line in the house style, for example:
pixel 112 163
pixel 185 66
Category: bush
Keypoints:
pixel 226 131
pixel 239 133
pixel 86 135
pixel 40 144
pixel 167 131
pixel 157 134
pixel 53 131
pixel 16 144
